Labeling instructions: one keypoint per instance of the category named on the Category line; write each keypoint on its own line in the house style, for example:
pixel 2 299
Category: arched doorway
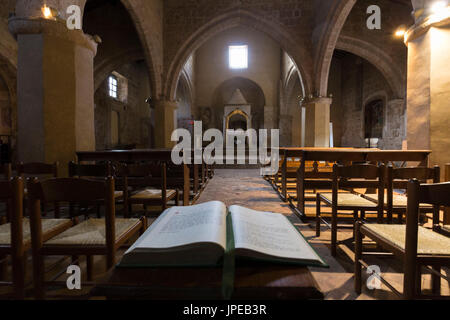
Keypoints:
pixel 238 120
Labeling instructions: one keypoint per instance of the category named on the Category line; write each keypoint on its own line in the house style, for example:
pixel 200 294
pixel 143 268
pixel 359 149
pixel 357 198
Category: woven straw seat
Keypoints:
pixel 91 233
pixel 430 243
pixel 349 200
pixel 48 226
pixel 151 194
pixel 118 194
pixel 398 200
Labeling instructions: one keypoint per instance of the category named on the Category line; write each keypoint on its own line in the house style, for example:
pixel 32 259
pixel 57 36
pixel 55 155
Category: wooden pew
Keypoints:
pixel 322 180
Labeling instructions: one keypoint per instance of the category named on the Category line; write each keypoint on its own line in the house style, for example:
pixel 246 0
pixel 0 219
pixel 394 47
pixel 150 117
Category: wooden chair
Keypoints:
pixel 15 237
pixel 40 170
pixel 95 172
pixel 37 169
pixel 91 237
pixel 342 178
pixel 416 246
pixel 397 179
pixel 6 173
pixel 149 185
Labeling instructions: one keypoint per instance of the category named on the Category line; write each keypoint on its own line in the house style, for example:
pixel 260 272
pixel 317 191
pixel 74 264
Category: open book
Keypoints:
pixel 197 236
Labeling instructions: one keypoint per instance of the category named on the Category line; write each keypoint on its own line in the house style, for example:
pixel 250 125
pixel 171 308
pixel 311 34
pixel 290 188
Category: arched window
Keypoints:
pixel 374 119
pixel 113 86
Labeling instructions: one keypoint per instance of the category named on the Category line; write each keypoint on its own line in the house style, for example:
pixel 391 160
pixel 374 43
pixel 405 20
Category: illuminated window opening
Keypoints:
pixel 113 87
pixel 238 57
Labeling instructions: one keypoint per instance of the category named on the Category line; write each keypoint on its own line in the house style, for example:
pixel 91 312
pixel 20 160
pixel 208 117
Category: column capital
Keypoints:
pixel 318 100
pixel 58 28
pixel 423 25
pixel 168 104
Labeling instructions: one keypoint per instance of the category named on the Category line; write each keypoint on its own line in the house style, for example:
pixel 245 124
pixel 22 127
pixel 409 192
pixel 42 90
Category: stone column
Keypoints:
pixel 286 130
pixel 165 123
pixel 55 90
pixel 429 87
pixel 269 117
pixel 318 122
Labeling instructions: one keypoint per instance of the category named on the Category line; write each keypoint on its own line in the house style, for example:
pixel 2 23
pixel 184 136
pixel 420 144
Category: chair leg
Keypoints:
pixel 144 225
pixel 334 232
pixel 130 209
pixel 318 216
pixel 18 271
pixel 2 220
pixel 99 214
pixel 3 267
pixel 418 284
pixel 400 218
pixel 436 281
pixel 71 210
pixel 355 220
pixel 90 267
pixel 358 256
pixel 57 211
pixel 39 277
pixel 110 260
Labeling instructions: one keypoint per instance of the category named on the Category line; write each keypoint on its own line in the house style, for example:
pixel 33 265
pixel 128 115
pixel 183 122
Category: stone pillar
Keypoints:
pixel 165 123
pixel 55 90
pixel 429 88
pixel 318 122
pixel 269 118
pixel 286 130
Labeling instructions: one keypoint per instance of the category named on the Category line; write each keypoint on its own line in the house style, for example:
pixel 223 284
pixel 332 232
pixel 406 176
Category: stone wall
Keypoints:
pixel 291 18
pixel 393 15
pixel 360 84
pixel 212 70
pixel 135 125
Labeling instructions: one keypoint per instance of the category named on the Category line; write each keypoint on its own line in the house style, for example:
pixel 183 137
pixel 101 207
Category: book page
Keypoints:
pixel 269 233
pixel 180 226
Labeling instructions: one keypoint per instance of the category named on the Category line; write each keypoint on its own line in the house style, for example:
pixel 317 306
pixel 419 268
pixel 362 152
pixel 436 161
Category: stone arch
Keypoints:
pixel 237 113
pixel 291 80
pixel 150 54
pixel 336 19
pixel 103 69
pixel 378 58
pixel 185 100
pixel 186 80
pixel 233 79
pixel 256 98
pixel 234 18
pixel 152 49
pixel 381 96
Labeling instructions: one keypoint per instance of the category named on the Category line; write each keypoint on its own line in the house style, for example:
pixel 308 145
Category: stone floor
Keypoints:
pixel 247 188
